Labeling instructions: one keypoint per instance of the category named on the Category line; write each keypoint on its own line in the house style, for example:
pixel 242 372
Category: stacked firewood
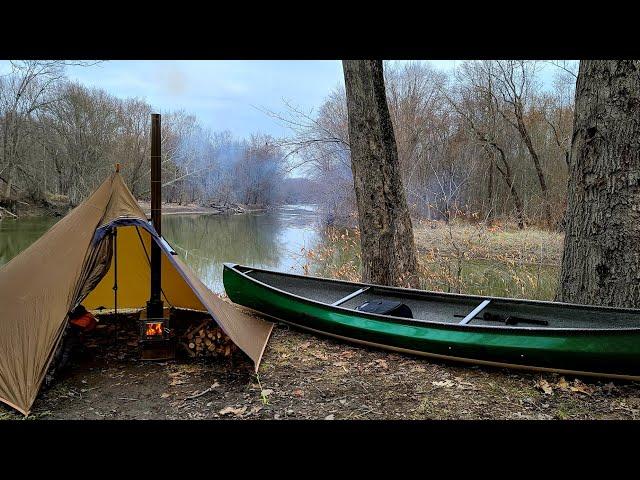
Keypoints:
pixel 207 339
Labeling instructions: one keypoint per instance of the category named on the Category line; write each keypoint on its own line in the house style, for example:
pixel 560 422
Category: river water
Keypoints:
pixel 273 239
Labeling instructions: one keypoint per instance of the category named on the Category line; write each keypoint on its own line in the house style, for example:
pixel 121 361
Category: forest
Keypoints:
pixel 488 140
pixel 59 139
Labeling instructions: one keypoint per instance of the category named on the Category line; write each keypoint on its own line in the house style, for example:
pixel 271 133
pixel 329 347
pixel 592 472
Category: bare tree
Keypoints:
pixel 515 83
pixel 387 245
pixel 23 91
pixel 476 103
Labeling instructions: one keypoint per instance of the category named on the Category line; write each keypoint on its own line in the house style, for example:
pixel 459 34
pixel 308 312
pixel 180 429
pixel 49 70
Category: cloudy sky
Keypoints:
pixel 224 95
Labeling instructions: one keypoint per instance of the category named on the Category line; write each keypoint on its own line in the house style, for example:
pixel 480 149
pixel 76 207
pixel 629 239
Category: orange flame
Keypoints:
pixel 154 329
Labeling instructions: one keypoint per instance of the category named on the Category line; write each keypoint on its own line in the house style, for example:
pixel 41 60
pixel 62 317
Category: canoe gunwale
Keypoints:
pixel 444 296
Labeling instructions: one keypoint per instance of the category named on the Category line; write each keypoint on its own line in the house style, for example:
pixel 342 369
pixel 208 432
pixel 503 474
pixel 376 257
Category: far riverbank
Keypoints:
pixel 194 209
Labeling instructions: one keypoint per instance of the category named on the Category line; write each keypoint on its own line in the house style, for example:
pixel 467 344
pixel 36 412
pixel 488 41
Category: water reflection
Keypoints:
pixel 271 239
pixel 16 235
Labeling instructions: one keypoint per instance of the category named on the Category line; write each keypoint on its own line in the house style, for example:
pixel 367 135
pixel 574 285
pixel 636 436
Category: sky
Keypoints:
pixel 223 94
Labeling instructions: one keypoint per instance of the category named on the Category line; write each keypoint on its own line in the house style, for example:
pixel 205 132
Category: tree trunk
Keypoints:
pixel 490 213
pixel 601 263
pixel 524 134
pixel 387 245
pixel 9 186
pixel 507 175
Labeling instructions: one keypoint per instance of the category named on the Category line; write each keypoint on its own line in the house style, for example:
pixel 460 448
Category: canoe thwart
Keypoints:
pixel 349 297
pixel 508 320
pixel 475 312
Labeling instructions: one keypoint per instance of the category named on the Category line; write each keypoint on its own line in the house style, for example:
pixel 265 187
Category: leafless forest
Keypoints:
pixel 489 140
pixel 60 139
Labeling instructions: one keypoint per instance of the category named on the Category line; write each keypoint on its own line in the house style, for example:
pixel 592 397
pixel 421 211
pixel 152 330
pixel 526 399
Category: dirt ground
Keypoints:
pixel 308 377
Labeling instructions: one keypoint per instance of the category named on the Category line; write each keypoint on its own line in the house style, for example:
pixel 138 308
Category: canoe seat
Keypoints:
pixel 472 314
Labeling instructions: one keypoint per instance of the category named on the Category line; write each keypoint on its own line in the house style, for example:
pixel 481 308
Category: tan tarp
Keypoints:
pixel 66 266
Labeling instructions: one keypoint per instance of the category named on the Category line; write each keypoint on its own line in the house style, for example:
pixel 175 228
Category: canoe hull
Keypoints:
pixel 603 353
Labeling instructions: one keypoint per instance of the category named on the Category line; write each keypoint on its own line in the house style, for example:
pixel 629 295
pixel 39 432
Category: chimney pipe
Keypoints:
pixel 154 305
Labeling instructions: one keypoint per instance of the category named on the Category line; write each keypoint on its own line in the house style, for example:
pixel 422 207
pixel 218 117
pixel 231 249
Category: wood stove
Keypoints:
pixel 156 338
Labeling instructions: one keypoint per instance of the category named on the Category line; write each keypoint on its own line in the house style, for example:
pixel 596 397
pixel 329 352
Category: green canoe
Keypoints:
pixel 526 334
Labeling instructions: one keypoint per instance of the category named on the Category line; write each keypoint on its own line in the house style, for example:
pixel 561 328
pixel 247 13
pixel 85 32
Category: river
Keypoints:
pixel 272 239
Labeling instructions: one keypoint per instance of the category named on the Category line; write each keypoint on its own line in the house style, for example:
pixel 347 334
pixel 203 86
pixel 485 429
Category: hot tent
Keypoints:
pixel 72 264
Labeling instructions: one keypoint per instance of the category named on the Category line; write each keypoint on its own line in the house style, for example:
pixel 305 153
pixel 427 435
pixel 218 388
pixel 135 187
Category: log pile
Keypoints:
pixel 207 339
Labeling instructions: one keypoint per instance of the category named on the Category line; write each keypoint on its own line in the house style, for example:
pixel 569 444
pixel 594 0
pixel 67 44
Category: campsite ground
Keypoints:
pixel 308 377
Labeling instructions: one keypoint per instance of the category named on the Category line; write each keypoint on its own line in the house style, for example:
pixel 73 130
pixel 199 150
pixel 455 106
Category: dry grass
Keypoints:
pixel 460 257
pixel 498 242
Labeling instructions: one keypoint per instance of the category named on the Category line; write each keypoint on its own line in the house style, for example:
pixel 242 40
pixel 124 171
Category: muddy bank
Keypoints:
pixel 21 209
pixel 50 209
pixel 194 209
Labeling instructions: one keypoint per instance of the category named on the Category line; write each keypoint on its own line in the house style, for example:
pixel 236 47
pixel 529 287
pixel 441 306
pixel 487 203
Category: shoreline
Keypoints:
pixel 193 209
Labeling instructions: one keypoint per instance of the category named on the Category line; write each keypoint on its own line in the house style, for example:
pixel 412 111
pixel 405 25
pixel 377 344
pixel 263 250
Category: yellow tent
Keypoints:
pixel 73 263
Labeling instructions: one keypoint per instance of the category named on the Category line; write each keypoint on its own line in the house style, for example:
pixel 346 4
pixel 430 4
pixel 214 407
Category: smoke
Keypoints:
pixel 175 81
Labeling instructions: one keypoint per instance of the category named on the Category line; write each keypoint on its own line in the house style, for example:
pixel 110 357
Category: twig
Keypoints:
pixel 204 392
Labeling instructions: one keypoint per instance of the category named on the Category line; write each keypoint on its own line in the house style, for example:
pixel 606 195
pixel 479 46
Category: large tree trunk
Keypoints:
pixel 601 263
pixel 388 250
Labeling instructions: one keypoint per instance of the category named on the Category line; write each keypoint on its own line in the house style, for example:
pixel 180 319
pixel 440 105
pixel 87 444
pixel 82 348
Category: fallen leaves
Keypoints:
pixel 543 385
pixel 343 365
pixel 562 384
pixel 574 387
pixel 178 378
pixel 231 410
pixel 239 411
pixel 462 385
pixel 580 387
pixel 444 383
pixel 382 363
pixel 346 354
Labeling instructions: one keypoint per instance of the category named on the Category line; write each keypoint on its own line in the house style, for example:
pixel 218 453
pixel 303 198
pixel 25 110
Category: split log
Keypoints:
pixel 207 339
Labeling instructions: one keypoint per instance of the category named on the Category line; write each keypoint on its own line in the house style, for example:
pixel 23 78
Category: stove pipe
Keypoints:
pixel 154 305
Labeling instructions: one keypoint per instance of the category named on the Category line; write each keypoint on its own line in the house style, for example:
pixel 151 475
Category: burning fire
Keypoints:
pixel 154 329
